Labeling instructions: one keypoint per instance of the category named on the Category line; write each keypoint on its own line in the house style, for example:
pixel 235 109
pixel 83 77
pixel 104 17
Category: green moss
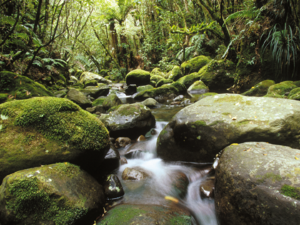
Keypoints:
pixel 98 101
pixel 57 119
pixel 188 80
pixel 290 191
pixel 121 215
pixel 66 169
pixel 155 79
pixel 31 203
pixel 269 176
pixel 21 87
pixel 226 114
pixel 90 83
pixel 163 132
pixel 180 220
pixel 199 123
pixel 163 81
pixel 145 87
pixel 3 97
pixel 194 64
pixel 175 73
pixel 215 123
pixel 165 90
pixel 260 89
pixel 280 89
pixel 110 101
pixel 138 77
pixel 129 109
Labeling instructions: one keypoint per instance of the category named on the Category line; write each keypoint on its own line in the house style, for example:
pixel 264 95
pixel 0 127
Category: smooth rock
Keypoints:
pixel 121 142
pixel 113 188
pixel 134 174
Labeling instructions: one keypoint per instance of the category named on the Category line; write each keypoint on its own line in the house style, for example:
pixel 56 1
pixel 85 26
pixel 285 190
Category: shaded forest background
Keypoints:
pixel 47 39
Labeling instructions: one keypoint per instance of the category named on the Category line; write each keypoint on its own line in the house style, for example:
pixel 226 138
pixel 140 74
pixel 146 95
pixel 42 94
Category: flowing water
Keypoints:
pixel 154 189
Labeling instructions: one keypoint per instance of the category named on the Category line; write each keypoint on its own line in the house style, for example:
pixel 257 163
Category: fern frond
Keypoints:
pixel 48 60
pixel 23 36
pixel 37 63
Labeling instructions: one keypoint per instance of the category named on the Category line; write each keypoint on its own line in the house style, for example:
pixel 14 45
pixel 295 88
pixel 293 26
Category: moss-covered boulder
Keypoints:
pixel 59 193
pixel 280 90
pixel 138 77
pixel 158 72
pixel 90 83
pixel 20 87
pixel 128 120
pixel 194 64
pixel 165 91
pixel 96 91
pixel 258 183
pixel 260 89
pixel 163 81
pixel 146 214
pixel 198 87
pixel 294 94
pixel 199 131
pixel 46 130
pixel 150 102
pixel 79 98
pixel 175 73
pixel 155 79
pixel 143 88
pixel 111 101
pixel 87 76
pixel 188 80
pixel 3 97
pixel 218 74
pixel 99 101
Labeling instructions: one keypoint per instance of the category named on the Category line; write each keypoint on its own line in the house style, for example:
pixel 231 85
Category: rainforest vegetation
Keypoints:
pixel 48 39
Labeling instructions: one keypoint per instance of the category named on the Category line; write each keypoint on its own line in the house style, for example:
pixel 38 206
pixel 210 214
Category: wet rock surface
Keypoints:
pixel 112 187
pixel 79 98
pixel 121 142
pixel 146 214
pixel 226 119
pixel 129 120
pixel 207 188
pixel 180 183
pixel 134 174
pixel 258 183
pixel 51 194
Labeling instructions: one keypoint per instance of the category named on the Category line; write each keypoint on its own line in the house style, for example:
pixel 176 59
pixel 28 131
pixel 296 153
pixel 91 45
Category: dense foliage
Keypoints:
pixel 45 38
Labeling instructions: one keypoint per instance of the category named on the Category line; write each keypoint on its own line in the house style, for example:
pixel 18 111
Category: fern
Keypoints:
pixel 252 13
pixel 49 67
pixel 23 36
pixel 48 60
pixel 37 63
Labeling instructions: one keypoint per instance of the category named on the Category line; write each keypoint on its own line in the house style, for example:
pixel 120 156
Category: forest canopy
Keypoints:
pixel 45 38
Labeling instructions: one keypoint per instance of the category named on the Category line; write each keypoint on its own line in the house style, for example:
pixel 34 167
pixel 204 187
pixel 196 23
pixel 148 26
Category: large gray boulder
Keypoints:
pixel 128 120
pixel 59 193
pixel 258 183
pixel 199 131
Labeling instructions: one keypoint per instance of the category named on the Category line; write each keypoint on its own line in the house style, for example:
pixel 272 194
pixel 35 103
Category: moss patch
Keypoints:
pixel 20 87
pixel 260 89
pixel 290 191
pixel 32 204
pixel 200 123
pixel 194 64
pixel 269 176
pixel 98 101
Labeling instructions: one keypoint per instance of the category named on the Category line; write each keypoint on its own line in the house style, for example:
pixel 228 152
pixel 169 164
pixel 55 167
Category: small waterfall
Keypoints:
pixel 153 190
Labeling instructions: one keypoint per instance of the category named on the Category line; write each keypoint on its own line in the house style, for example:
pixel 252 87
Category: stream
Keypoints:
pixel 152 191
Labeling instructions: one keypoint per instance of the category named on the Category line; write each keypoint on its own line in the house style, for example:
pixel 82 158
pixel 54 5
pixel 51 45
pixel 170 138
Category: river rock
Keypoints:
pixel 90 83
pixel 218 74
pixel 130 89
pixel 79 98
pixel 180 183
pixel 150 102
pixel 111 161
pixel 281 90
pixel 194 64
pixel 123 161
pixel 199 131
pixel 260 89
pixel 111 101
pixel 154 79
pixel 134 174
pixel 112 187
pixel 166 90
pixel 163 81
pixel 258 183
pixel 141 138
pixel 96 109
pixel 175 73
pixel 157 71
pixel 207 188
pixel 129 120
pixel 189 79
pixel 145 87
pixel 126 214
pixel 45 130
pixel 121 142
pixel 198 87
pixel 85 76
pixel 73 80
pixel 52 194
pixel 138 77
pixel 96 91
